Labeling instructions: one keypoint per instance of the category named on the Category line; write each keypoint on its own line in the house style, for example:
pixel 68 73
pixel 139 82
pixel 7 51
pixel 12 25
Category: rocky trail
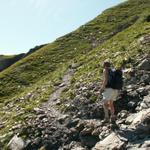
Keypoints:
pixel 50 106
pixel 81 127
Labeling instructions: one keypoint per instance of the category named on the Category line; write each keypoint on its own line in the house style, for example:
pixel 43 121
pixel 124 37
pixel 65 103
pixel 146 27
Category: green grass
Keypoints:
pixel 8 60
pixel 125 44
pixel 32 68
pixel 116 30
pixel 6 56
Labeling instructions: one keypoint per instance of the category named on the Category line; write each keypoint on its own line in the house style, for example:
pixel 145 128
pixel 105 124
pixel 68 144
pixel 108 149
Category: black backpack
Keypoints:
pixel 115 79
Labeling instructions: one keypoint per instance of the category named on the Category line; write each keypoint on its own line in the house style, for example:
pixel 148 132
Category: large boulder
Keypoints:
pixel 145 103
pixel 111 142
pixel 140 117
pixel 141 124
pixel 16 143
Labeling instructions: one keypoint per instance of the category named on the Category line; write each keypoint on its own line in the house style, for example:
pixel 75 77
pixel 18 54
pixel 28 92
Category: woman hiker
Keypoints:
pixel 109 94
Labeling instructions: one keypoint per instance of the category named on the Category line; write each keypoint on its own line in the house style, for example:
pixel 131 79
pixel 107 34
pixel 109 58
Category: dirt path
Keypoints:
pixel 49 106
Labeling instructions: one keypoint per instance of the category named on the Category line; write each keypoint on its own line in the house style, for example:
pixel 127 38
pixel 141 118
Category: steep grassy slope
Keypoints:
pixel 122 49
pixel 113 34
pixel 32 68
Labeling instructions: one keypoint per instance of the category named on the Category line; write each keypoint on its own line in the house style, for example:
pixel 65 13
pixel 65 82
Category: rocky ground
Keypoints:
pixel 81 126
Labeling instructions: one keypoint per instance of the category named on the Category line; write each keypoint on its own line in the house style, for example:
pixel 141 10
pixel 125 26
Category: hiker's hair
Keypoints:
pixel 107 63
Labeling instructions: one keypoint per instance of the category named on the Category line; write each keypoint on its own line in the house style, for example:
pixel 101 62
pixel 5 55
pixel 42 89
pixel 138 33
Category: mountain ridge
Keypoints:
pixel 8 60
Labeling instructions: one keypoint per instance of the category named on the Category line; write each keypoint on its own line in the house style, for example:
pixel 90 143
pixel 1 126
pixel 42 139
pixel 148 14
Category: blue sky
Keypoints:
pixel 27 23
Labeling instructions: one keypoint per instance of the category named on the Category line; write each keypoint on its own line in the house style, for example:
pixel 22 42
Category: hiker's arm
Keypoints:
pixel 105 78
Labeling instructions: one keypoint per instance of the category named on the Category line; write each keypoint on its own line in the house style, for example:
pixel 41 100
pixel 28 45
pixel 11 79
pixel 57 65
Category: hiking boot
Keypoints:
pixel 113 119
pixel 106 120
pixel 114 127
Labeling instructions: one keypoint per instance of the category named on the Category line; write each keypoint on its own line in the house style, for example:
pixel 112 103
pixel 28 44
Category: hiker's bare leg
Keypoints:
pixel 112 109
pixel 105 106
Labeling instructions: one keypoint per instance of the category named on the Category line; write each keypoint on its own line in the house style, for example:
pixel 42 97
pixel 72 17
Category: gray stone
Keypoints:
pixel 140 117
pixel 143 144
pixel 131 104
pixel 144 39
pixel 145 78
pixel 75 65
pixel 136 148
pixel 73 146
pixel 42 148
pixel 2 125
pixel 16 143
pixel 147 100
pixel 96 131
pixel 80 126
pixel 123 114
pixel 111 142
pixel 39 111
pixel 86 131
pixel 146 144
pixel 143 105
pixel 78 148
pixel 145 65
pixel 143 91
pixel 130 119
pixel 62 84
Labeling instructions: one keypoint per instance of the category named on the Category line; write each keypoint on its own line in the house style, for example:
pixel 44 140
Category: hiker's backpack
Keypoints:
pixel 115 79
